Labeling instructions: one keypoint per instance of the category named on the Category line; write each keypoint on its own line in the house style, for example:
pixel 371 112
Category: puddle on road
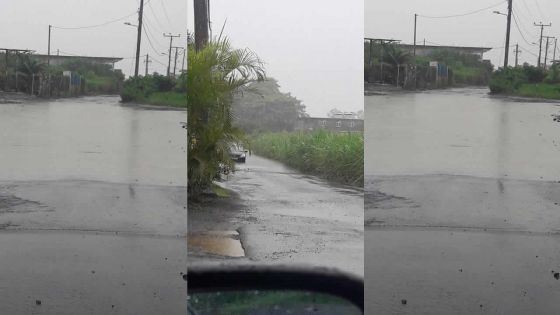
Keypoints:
pixel 222 243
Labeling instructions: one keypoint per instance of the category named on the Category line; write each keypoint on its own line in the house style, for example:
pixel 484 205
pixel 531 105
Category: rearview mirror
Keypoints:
pixel 247 290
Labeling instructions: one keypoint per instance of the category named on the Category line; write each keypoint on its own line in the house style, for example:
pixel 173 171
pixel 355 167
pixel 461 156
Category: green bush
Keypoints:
pixel 553 76
pixel 507 80
pixel 139 89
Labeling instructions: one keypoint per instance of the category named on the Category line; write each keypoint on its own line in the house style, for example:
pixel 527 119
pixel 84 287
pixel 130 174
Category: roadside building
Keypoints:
pixel 332 124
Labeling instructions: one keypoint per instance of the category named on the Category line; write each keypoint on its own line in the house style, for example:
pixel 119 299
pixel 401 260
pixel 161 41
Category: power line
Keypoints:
pixel 519 30
pixel 96 25
pixel 539 9
pixel 463 14
pixel 529 10
pixel 150 42
pixel 147 30
pixel 155 17
pixel 165 12
pixel 522 24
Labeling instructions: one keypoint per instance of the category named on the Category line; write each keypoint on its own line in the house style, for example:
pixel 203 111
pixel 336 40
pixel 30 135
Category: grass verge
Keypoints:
pixel 540 90
pixel 331 155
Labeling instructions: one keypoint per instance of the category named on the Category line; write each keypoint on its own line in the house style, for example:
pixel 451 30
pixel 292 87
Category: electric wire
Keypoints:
pixel 463 14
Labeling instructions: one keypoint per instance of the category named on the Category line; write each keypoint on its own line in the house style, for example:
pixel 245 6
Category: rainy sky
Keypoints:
pixel 312 47
pixel 395 20
pixel 24 25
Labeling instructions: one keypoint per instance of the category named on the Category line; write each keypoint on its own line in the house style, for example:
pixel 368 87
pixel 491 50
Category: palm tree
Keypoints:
pixel 396 56
pixel 30 68
pixel 214 74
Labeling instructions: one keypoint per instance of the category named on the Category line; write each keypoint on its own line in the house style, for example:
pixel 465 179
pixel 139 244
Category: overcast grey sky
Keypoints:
pixel 395 19
pixel 24 25
pixel 313 47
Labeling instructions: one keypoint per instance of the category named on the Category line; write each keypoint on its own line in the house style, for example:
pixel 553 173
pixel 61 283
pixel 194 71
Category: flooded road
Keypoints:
pixel 281 217
pixel 462 204
pixel 92 208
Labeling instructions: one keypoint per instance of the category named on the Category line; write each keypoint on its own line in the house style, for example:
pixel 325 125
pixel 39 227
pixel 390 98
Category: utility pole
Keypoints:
pixel 414 49
pixel 517 51
pixel 508 31
pixel 171 36
pixel 555 47
pixel 139 38
pixel 542 26
pixel 147 62
pixel 175 62
pixel 49 49
pixel 184 57
pixel 546 51
pixel 200 23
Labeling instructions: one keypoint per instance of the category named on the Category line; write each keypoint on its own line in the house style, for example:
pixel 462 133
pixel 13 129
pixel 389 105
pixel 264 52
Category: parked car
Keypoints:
pixel 238 153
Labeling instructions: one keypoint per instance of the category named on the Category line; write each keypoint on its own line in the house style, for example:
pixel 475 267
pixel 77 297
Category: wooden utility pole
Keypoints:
pixel 555 47
pixel 508 31
pixel 147 62
pixel 542 26
pixel 546 51
pixel 171 36
pixel 414 51
pixel 139 38
pixel 184 57
pixel 517 51
pixel 175 63
pixel 200 23
pixel 49 48
pixel 414 44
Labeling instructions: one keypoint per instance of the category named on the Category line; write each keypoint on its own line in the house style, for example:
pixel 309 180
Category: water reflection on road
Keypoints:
pixel 462 204
pixel 92 208
pixel 92 138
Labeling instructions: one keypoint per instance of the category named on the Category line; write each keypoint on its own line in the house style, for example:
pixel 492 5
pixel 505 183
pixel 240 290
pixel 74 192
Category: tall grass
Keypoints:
pixel 334 156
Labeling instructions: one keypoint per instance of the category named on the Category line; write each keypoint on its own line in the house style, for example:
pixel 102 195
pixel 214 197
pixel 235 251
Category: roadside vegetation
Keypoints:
pixel 527 81
pixel 155 90
pixel 331 155
pixel 465 69
pixel 215 74
pixel 99 78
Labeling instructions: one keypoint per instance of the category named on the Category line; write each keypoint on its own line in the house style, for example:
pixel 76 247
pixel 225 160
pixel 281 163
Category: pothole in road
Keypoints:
pixel 221 243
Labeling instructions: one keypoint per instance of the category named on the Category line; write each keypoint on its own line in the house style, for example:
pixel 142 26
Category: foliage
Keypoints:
pixel 215 73
pixel 331 155
pixel 100 78
pixel 507 80
pixel 172 98
pixel 263 108
pixel 468 69
pixel 533 74
pixel 29 68
pixel 529 81
pixel 540 90
pixel 140 89
pixel 395 55
pixel 553 76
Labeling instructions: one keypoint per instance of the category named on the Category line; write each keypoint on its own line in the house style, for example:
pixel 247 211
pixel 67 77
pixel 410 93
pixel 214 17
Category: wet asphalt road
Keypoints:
pixel 284 217
pixel 462 203
pixel 91 220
